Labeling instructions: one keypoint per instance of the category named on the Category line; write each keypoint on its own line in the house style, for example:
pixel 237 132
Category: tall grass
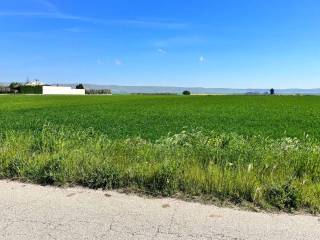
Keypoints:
pixel 269 173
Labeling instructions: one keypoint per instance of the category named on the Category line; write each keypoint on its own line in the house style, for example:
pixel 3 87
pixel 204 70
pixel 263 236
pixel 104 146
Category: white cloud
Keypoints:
pixel 48 5
pixel 53 13
pixel 118 62
pixel 161 51
pixel 100 62
pixel 179 41
pixel 202 59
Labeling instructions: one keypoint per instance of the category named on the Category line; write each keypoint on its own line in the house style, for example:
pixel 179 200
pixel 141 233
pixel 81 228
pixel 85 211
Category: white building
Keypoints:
pixel 56 90
pixel 34 82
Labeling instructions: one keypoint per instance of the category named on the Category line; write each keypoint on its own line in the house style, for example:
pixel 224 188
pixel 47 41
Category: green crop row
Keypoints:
pixel 152 117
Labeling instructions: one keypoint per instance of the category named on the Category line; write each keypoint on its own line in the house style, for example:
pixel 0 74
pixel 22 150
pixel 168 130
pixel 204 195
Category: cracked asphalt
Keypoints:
pixel 36 212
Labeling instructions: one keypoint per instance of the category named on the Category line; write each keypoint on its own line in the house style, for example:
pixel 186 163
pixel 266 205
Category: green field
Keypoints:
pixel 261 151
pixel 154 116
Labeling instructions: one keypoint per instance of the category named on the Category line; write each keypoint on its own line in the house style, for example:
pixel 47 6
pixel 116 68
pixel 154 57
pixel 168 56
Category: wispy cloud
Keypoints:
pixel 179 41
pixel 48 5
pixel 100 62
pixel 118 62
pixel 161 51
pixel 148 23
pixel 76 30
pixel 202 59
pixel 55 14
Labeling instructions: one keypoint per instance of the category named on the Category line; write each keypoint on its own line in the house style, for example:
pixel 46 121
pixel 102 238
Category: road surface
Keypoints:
pixel 35 212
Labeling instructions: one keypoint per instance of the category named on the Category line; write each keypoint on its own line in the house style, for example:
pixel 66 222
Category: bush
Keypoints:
pixel 98 91
pixel 31 89
pixel 284 196
pixel 272 91
pixel 15 85
pixel 80 86
pixel 186 93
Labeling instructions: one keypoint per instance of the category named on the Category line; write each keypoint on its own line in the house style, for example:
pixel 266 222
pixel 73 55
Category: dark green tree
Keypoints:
pixel 272 91
pixel 15 85
pixel 80 86
pixel 186 92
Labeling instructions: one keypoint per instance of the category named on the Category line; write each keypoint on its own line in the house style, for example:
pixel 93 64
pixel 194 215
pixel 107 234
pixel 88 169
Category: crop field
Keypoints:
pixel 258 151
pixel 152 117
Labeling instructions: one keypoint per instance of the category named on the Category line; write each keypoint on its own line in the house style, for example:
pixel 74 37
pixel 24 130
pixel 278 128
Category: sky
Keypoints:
pixel 189 43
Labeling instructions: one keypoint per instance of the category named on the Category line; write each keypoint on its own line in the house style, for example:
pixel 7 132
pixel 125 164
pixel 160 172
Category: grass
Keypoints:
pixel 152 117
pixel 124 142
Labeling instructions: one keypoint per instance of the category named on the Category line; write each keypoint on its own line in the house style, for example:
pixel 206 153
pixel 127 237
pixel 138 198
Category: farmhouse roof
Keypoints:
pixel 35 82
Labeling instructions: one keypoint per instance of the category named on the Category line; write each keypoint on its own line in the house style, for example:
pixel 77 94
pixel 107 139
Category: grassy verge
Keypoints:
pixel 279 174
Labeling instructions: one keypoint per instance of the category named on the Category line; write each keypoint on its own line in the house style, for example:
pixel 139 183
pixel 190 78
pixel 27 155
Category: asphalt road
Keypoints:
pixel 35 212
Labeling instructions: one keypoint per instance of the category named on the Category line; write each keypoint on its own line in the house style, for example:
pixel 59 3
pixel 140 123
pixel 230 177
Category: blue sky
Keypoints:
pixel 208 43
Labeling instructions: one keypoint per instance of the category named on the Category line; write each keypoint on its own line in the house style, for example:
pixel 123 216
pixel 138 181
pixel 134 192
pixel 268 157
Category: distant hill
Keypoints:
pixel 116 89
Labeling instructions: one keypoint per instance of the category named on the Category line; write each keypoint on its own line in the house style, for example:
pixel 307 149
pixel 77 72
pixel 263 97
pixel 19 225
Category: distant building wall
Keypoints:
pixel 5 90
pixel 52 90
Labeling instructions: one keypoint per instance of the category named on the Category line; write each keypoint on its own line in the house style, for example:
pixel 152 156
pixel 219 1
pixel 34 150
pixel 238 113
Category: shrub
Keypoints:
pixel 98 91
pixel 186 92
pixel 272 91
pixel 15 85
pixel 80 86
pixel 31 89
pixel 284 196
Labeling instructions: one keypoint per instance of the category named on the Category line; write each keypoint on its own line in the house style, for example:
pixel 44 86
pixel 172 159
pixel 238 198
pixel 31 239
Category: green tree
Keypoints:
pixel 271 91
pixel 186 92
pixel 15 85
pixel 80 86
